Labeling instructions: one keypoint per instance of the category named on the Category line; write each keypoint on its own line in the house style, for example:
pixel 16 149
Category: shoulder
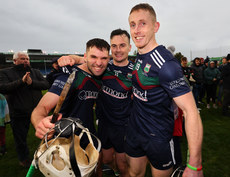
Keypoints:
pixel 130 65
pixel 68 69
pixel 35 70
pixel 8 71
pixel 161 56
pixel 5 70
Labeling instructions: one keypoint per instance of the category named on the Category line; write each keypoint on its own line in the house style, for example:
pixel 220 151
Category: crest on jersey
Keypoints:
pixel 147 68
pixel 129 75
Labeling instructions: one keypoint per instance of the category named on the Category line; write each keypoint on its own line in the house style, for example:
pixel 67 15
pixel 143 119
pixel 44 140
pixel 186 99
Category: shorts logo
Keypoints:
pixel 166 165
pixel 147 68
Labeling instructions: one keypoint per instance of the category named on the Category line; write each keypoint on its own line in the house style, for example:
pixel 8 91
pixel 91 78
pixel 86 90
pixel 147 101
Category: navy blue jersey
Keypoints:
pixel 81 96
pixel 156 79
pixel 115 102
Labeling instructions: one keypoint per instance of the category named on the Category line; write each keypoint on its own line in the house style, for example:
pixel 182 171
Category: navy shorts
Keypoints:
pixel 112 136
pixel 159 153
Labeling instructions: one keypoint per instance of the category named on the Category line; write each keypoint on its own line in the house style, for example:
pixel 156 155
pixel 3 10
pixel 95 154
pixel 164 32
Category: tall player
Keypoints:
pixel 158 81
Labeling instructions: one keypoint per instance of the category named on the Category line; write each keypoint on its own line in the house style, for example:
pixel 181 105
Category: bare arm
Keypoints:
pixel 40 118
pixel 70 60
pixel 194 132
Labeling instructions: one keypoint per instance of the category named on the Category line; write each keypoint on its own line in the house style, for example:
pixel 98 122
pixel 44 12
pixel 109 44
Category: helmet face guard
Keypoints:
pixel 178 172
pixel 64 156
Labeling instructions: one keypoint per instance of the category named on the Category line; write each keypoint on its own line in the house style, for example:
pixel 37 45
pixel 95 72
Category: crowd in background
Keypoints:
pixel 207 78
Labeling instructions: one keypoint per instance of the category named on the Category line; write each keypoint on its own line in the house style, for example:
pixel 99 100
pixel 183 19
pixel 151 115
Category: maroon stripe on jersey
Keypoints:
pixel 85 80
pixel 118 80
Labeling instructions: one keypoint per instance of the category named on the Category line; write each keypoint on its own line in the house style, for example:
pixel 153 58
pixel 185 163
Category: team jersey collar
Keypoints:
pixel 84 72
pixel 146 54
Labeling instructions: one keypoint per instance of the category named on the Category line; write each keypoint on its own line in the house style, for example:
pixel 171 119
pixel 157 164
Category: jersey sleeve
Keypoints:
pixel 172 79
pixel 60 80
pixel 58 84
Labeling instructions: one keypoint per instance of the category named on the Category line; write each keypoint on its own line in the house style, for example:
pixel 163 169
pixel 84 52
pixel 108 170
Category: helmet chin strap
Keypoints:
pixel 73 160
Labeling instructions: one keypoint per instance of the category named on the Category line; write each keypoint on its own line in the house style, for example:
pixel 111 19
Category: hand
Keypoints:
pixel 27 79
pixel 24 78
pixel 44 126
pixel 66 60
pixel 192 173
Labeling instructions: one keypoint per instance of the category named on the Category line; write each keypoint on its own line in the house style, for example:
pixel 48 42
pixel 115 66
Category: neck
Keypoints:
pixel 147 49
pixel 85 68
pixel 122 63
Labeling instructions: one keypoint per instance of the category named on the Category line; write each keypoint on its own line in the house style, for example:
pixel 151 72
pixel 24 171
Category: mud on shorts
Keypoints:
pixel 112 136
pixel 159 153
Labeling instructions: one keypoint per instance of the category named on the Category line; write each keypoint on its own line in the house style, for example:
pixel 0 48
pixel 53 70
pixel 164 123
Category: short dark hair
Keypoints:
pixel 197 58
pixel 98 43
pixel 228 57
pixel 184 59
pixel 119 31
pixel 146 7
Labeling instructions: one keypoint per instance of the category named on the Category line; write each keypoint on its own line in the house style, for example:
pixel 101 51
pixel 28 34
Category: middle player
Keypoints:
pixel 114 102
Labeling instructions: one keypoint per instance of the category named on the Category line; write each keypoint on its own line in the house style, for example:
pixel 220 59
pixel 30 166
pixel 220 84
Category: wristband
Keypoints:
pixel 194 168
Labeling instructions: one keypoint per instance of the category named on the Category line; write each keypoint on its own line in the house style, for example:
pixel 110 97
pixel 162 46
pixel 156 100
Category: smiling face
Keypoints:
pixel 143 27
pixel 120 48
pixel 96 61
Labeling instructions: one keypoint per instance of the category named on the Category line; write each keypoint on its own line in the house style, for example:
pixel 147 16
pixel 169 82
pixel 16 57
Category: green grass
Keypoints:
pixel 216 147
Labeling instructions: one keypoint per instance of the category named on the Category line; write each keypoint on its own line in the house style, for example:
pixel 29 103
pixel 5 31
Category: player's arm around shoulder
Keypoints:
pixel 194 132
pixel 70 60
pixel 39 117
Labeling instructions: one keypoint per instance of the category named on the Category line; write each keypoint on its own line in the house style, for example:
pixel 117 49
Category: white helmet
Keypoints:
pixel 63 156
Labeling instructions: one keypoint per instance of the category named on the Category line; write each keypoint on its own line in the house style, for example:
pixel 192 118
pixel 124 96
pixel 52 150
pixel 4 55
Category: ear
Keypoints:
pixel 156 27
pixel 14 61
pixel 130 47
pixel 85 57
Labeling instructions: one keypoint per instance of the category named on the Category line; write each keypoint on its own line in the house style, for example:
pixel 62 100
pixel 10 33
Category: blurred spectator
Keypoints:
pixel 202 61
pixel 23 86
pixel 204 64
pixel 52 75
pixel 212 77
pixel 220 92
pixel 172 49
pixel 206 61
pixel 204 86
pixel 225 75
pixel 186 69
pixel 177 134
pixel 4 115
pixel 197 75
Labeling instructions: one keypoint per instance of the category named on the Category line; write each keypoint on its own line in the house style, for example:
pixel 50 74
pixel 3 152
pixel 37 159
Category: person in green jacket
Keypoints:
pixel 212 77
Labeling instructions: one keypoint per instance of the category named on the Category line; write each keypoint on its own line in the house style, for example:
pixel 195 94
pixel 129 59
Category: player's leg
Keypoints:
pixel 99 167
pixel 161 173
pixel 137 166
pixel 122 164
pixel 108 158
pixel 161 157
